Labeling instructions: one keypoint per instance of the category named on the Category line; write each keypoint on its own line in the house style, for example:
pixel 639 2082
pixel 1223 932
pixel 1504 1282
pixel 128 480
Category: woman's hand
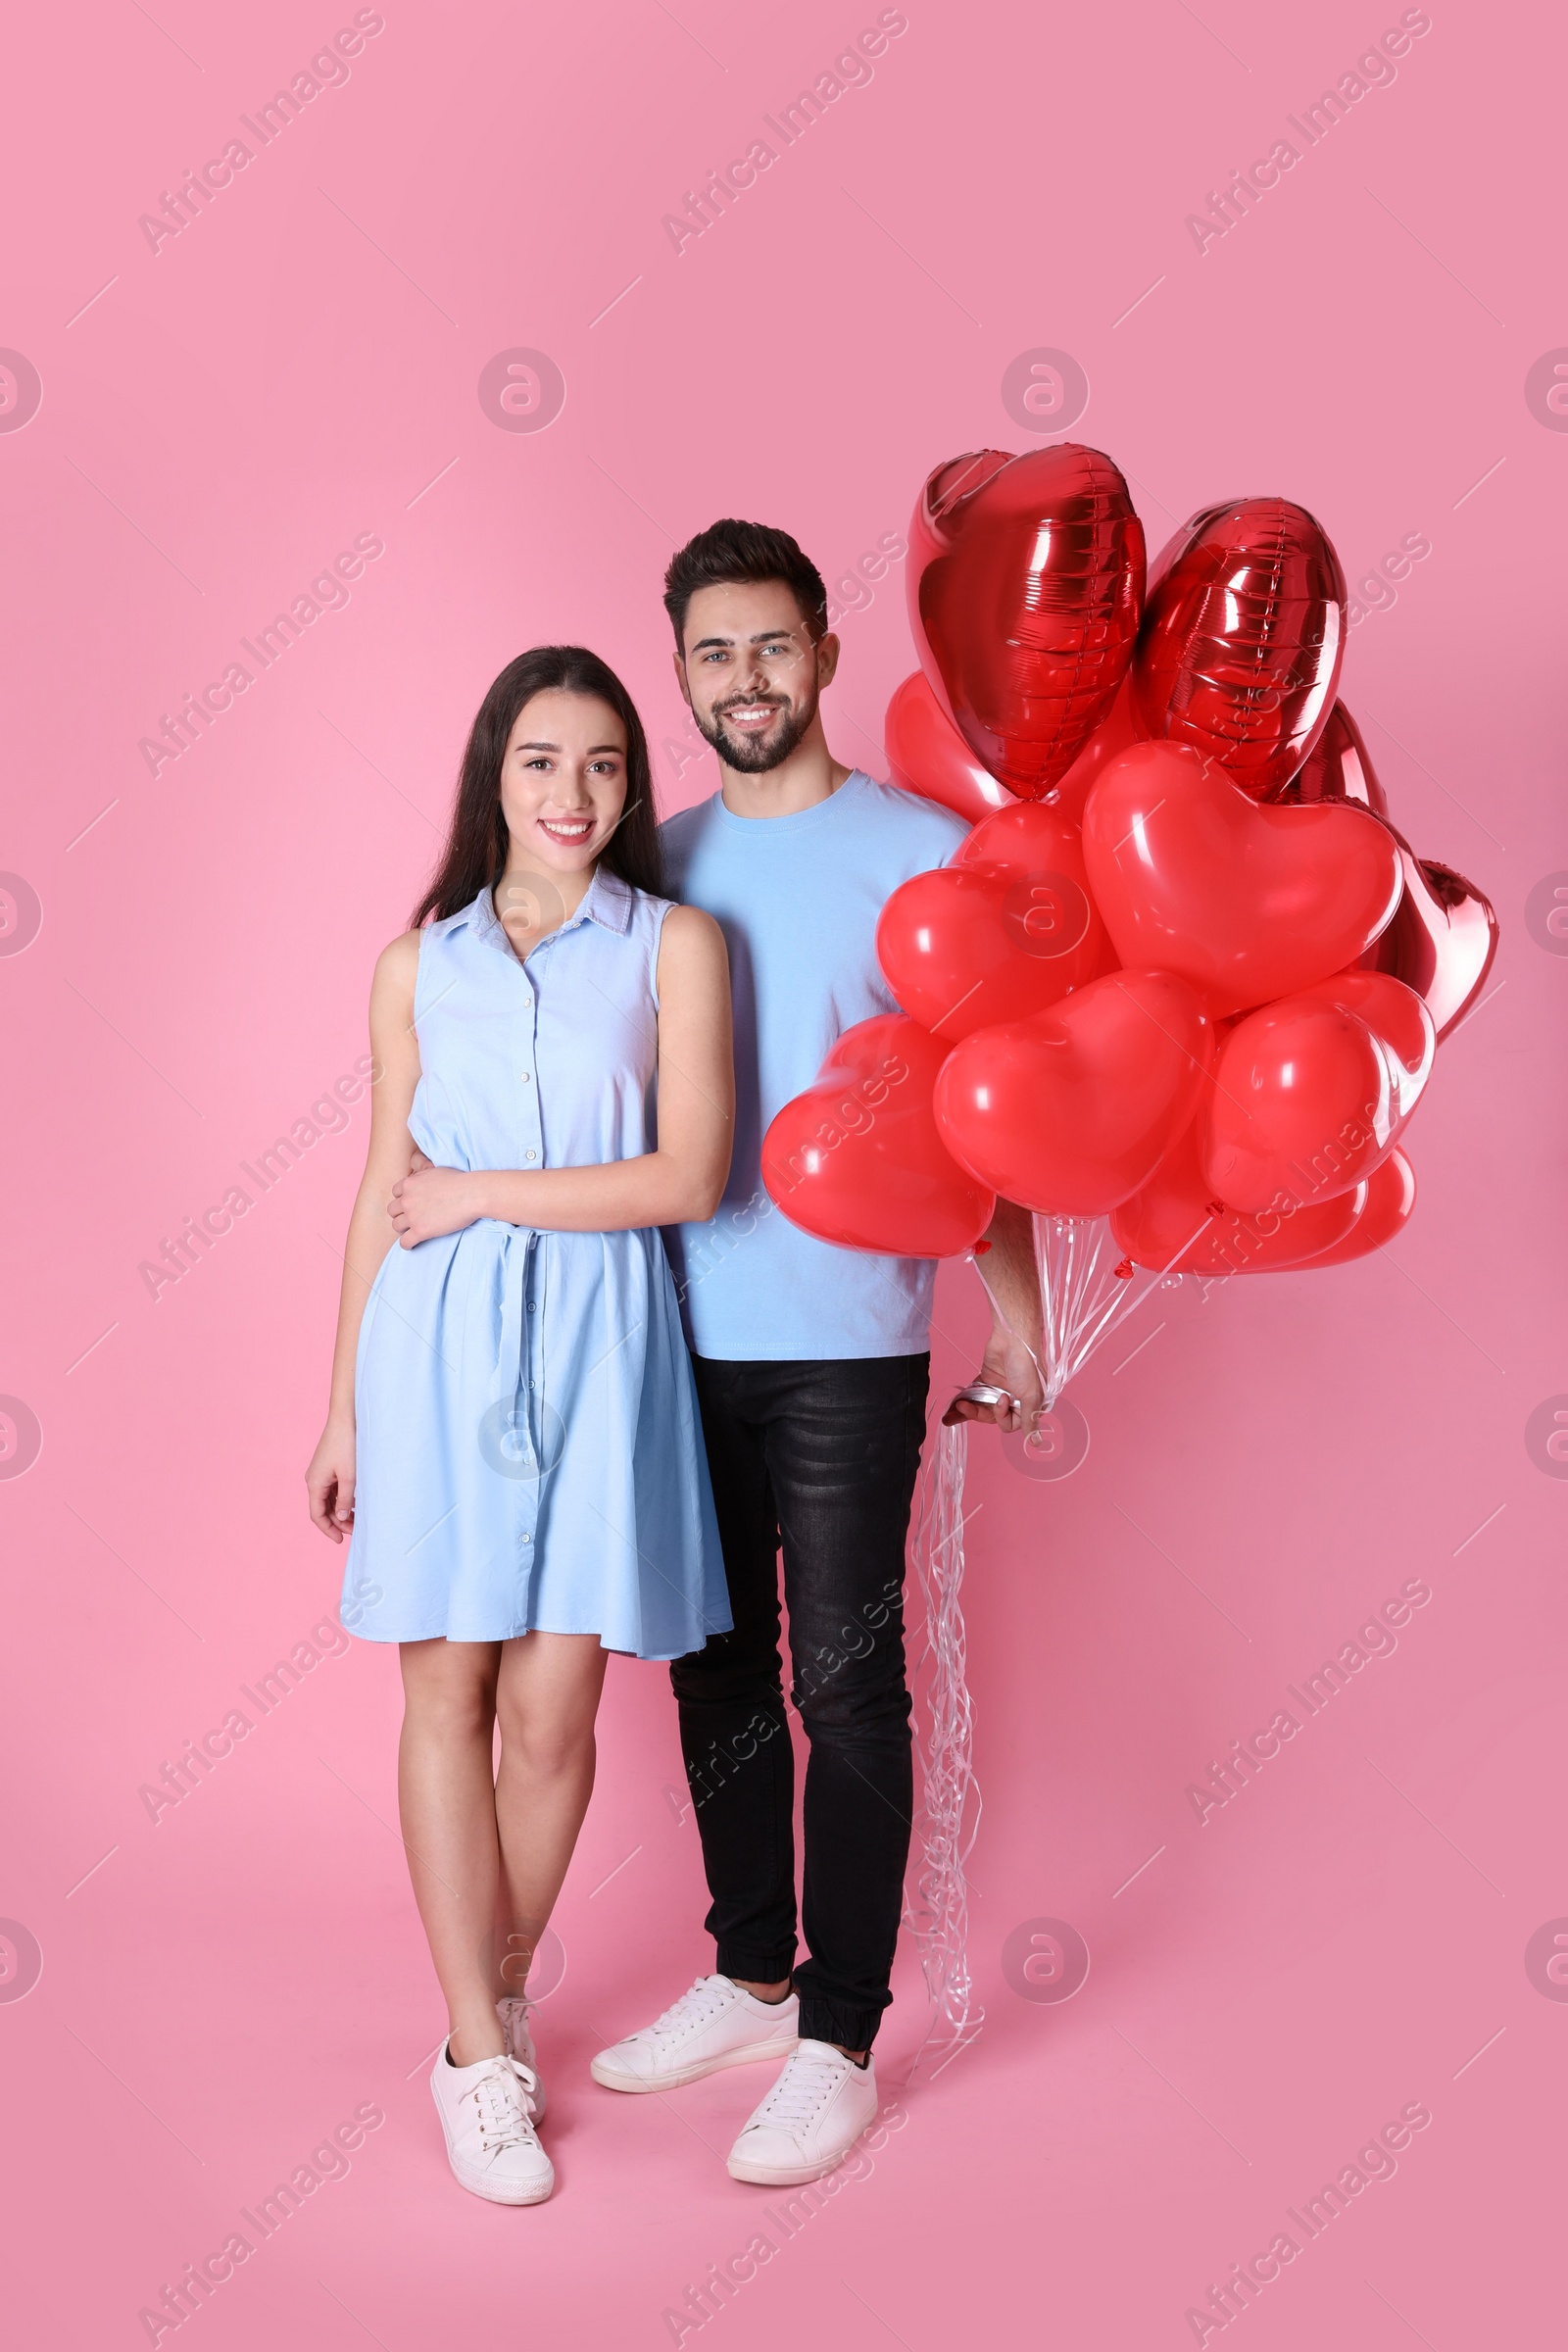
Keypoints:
pixel 431 1201
pixel 330 1481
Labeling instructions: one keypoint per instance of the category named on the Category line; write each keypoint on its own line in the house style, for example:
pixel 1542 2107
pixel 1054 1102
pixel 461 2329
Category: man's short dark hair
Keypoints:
pixel 746 553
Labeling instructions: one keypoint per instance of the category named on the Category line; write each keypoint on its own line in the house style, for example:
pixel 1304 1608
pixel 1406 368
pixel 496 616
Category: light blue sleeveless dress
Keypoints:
pixel 530 1450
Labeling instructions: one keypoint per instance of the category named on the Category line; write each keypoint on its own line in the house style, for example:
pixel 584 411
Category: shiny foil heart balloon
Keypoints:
pixel 1310 1092
pixel 1442 939
pixel 1241 640
pixel 927 755
pixel 1338 767
pixel 856 1159
pixel 1002 931
pixel 1444 933
pixel 1026 582
pixel 1385 1211
pixel 1244 901
pixel 1173 1224
pixel 1071 1111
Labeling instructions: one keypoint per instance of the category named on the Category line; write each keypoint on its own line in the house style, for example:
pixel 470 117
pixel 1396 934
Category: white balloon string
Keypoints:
pixel 1083 1299
pixel 1121 1302
pixel 940 1915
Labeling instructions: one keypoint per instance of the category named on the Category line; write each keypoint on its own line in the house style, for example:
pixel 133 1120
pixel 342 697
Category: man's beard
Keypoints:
pixel 750 755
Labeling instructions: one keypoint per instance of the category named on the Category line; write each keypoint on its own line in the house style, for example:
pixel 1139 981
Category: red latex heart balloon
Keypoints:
pixel 1025 836
pixel 1338 767
pixel 1385 1210
pixel 1242 637
pixel 1002 931
pixel 1071 1111
pixel 1039 844
pixel 1026 582
pixel 1441 941
pixel 1246 903
pixel 856 1159
pixel 927 755
pixel 1311 1093
pixel 1444 934
pixel 1173 1224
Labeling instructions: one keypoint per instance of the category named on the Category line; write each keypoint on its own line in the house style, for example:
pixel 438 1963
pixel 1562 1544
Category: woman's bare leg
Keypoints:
pixel 447 1800
pixel 547 1696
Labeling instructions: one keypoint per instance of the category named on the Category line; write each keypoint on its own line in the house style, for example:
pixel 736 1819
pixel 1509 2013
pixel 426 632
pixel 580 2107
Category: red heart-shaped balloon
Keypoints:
pixel 1026 582
pixel 1444 933
pixel 1174 1225
pixel 1442 939
pixel 1002 931
pixel 856 1159
pixel 1385 1210
pixel 1244 901
pixel 1309 1093
pixel 1386 1197
pixel 1243 636
pixel 927 755
pixel 1338 767
pixel 1037 843
pixel 1069 1111
pixel 1025 837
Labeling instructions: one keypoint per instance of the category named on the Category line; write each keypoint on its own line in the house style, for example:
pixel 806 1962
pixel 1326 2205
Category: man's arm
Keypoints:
pixel 1012 1278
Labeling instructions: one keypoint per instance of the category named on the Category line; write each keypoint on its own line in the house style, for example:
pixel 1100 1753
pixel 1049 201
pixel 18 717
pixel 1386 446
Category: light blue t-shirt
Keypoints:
pixel 798 899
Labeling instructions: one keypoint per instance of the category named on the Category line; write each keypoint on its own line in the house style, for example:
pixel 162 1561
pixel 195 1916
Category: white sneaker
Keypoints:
pixel 513 2011
pixel 809 2119
pixel 714 2026
pixel 491 2140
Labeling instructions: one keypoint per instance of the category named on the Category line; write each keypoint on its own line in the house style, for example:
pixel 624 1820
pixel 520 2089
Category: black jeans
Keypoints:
pixel 818 1459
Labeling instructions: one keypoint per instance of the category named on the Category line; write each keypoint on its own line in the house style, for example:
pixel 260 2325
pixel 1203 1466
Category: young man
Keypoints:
pixel 812 1370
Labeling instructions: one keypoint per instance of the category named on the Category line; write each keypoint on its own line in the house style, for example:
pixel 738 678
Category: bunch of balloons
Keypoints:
pixel 1180 989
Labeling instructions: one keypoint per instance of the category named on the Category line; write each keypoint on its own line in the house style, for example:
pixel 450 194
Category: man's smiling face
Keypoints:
pixel 753 672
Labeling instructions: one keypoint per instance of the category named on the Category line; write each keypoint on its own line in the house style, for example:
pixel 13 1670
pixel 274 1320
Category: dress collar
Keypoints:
pixel 607 901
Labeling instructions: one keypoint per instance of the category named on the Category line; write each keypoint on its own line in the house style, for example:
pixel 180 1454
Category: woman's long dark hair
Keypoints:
pixel 475 854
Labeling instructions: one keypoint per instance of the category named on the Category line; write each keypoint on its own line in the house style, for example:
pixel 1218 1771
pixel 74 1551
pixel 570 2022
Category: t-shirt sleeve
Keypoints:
pixel 928 835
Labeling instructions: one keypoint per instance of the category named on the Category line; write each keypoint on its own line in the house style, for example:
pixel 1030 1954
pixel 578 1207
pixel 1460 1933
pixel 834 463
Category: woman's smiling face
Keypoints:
pixel 562 780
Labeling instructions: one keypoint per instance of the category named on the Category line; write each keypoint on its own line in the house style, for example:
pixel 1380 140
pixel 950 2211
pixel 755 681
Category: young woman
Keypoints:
pixel 512 1440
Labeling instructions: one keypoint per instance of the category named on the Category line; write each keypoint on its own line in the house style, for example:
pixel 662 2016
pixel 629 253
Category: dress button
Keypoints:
pixel 525 1075
pixel 530 1306
pixel 527 1539
pixel 531 1156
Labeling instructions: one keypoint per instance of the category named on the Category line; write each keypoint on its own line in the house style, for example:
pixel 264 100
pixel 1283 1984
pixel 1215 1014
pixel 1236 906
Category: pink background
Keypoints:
pixel 220 418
